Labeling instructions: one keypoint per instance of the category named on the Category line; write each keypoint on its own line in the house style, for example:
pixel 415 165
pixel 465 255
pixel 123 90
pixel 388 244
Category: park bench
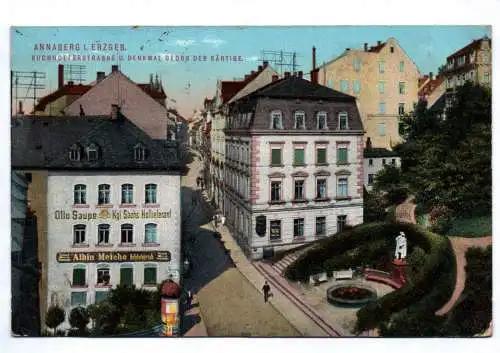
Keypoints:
pixel 317 279
pixel 345 274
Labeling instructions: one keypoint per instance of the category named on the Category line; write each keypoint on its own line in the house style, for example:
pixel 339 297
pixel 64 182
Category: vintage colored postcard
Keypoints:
pixel 251 181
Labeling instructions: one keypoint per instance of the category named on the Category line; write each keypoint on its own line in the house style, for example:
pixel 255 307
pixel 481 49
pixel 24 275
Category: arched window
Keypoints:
pixel 104 193
pixel 103 234
pixel 79 234
pixel 75 152
pixel 140 152
pixel 127 193
pixel 79 275
pixel 300 120
pixel 321 122
pixel 276 120
pixel 103 275
pixel 343 121
pixel 150 196
pixel 127 234
pixel 92 152
pixel 80 194
pixel 150 233
pixel 150 274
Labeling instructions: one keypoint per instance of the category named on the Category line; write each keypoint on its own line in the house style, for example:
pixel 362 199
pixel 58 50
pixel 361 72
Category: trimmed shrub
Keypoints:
pixel 471 227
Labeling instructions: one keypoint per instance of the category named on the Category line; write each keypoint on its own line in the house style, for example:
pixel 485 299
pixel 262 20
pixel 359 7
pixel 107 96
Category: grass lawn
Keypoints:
pixel 232 306
pixel 473 227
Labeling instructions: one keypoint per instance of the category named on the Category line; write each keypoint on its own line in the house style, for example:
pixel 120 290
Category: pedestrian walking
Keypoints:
pixel 216 221
pixel 223 220
pixel 267 291
pixel 198 181
pixel 189 299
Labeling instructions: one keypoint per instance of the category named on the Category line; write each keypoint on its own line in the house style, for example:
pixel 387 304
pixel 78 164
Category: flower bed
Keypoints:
pixel 350 294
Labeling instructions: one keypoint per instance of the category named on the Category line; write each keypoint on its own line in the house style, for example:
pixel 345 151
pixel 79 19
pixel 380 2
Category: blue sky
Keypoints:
pixel 189 82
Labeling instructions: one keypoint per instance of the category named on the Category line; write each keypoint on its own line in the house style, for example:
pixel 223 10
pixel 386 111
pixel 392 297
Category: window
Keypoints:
pixel 276 122
pixel 275 230
pixel 461 60
pixel 402 88
pixel 103 276
pixel 342 155
pixel 299 120
pixel 74 153
pixel 104 191
pixel 330 83
pixel 150 234
pixel 401 109
pixel 79 276
pixel 299 190
pixel 343 121
pixel 381 129
pixel 393 161
pixel 298 227
pixel 126 276
pixel 392 49
pixel 370 162
pixel 341 223
pixel 381 108
pixel 100 296
pixel 127 193
pixel 139 153
pixel 356 63
pixel 370 179
pixel 321 155
pixel 78 299
pixel 276 191
pixel 276 156
pixel 127 231
pixel 381 87
pixel 342 187
pixel 299 156
pixel 356 86
pixel 486 77
pixel 79 234
pixel 80 194
pixel 401 66
pixel 381 66
pixel 321 188
pixel 150 196
pixel 150 274
pixel 92 153
pixel 344 85
pixel 383 161
pixel 320 225
pixel 103 234
pixel 321 120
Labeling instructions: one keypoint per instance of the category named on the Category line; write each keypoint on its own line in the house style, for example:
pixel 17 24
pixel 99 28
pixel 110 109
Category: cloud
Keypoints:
pixel 183 42
pixel 214 41
pixel 252 58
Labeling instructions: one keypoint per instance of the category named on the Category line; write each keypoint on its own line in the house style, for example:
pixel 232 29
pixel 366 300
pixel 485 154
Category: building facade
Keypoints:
pixel 384 79
pixel 294 165
pixel 107 200
pixel 375 160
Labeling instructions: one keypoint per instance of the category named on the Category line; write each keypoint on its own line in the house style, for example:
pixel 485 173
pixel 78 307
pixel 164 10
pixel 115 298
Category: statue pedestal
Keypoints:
pixel 398 270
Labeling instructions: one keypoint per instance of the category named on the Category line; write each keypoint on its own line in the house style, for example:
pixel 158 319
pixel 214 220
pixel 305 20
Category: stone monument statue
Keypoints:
pixel 400 253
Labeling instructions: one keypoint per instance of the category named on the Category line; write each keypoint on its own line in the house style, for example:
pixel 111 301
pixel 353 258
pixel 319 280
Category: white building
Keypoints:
pixel 294 165
pixel 375 159
pixel 113 206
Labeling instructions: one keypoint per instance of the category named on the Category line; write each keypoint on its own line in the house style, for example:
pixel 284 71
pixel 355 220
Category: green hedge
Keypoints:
pixel 427 288
pixel 473 227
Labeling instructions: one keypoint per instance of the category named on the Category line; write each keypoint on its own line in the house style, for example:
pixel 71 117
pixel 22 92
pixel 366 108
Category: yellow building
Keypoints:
pixel 384 80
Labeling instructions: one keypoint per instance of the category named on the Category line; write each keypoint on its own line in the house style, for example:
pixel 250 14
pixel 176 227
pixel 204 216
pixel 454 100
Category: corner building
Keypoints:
pixel 112 205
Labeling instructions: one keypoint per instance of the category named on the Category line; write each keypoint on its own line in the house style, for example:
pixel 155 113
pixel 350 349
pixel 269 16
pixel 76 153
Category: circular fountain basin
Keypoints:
pixel 351 294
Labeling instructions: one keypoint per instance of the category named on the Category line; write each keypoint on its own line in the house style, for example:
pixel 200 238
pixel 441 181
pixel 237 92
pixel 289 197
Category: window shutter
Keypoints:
pixel 299 156
pixel 321 155
pixel 276 157
pixel 126 276
pixel 79 276
pixel 150 275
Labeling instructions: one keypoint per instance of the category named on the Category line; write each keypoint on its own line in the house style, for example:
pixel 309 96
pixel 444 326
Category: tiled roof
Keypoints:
pixel 378 153
pixel 154 93
pixel 474 45
pixel 376 48
pixel 422 80
pixel 230 88
pixel 295 87
pixel 45 143
pixel 430 86
pixel 66 90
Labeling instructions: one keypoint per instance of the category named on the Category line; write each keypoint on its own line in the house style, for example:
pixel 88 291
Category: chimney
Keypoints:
pixel 70 83
pixel 431 76
pixel 100 76
pixel 275 77
pixel 287 74
pixel 301 74
pixel 314 76
pixel 260 67
pixel 366 46
pixel 314 58
pixel 252 72
pixel 60 76
pixel 265 63
pixel 246 77
pixel 368 143
pixel 379 42
pixel 115 111
pixel 20 112
pixel 347 49
pixel 114 68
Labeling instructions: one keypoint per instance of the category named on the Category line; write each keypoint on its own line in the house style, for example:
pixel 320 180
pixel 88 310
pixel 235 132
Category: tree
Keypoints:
pixel 373 207
pixel 55 316
pixel 100 314
pixel 79 319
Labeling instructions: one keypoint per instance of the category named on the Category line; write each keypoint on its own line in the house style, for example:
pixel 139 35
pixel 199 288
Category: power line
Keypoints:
pixel 30 81
pixel 281 59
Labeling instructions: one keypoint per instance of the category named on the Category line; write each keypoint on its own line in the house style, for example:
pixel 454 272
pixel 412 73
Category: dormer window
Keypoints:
pixel 92 153
pixel 300 118
pixel 321 121
pixel 343 121
pixel 74 153
pixel 276 120
pixel 139 153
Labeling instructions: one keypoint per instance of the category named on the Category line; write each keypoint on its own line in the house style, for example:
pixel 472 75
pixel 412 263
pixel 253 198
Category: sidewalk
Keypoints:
pixel 199 329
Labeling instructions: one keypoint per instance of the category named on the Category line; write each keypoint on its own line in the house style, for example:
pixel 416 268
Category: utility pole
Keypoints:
pixel 281 59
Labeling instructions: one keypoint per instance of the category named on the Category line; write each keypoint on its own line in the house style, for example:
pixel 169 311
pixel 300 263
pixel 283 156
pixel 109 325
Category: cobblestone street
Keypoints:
pixel 229 305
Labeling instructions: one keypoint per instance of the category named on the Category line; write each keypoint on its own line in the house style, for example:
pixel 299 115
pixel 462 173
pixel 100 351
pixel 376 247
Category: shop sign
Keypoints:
pixel 109 214
pixel 113 256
